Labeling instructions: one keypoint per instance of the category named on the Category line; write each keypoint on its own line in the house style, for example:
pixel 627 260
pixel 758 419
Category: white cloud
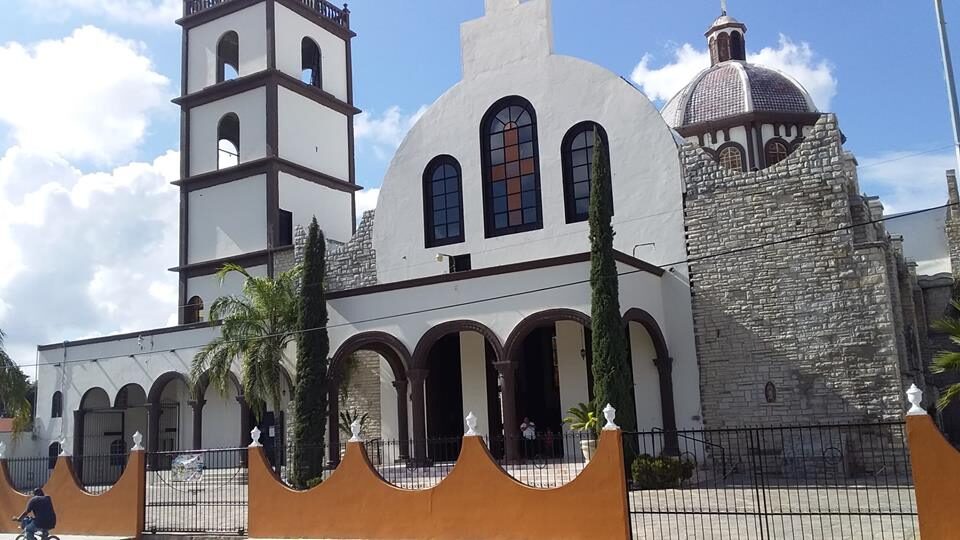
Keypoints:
pixel 383 134
pixel 795 59
pixel 906 180
pixel 86 96
pixel 90 251
pixel 366 200
pixel 148 12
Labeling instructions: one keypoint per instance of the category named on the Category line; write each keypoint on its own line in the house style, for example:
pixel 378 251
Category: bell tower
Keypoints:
pixel 266 137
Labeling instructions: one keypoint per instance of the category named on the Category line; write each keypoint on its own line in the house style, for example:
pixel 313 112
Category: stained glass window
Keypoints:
pixel 443 202
pixel 512 190
pixel 577 155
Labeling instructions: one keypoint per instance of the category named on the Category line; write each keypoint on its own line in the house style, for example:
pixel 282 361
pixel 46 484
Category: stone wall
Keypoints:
pixel 363 392
pixel 815 316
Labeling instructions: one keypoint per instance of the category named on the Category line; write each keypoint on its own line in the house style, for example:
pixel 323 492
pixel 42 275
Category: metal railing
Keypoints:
pixel 197 491
pixel 330 12
pixel 820 481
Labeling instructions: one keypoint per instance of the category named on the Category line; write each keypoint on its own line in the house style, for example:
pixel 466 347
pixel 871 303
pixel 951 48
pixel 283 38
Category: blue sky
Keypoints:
pixel 88 135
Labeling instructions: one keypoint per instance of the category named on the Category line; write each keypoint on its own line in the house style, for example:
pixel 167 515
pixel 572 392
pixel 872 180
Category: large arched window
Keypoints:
pixel 193 311
pixel 775 152
pixel 730 156
pixel 228 141
pixel 56 405
pixel 442 202
pixel 511 176
pixel 228 57
pixel 576 153
pixel 310 63
pixel 737 51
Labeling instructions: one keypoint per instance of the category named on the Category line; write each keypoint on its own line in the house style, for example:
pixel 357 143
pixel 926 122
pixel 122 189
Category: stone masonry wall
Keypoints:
pixel 363 392
pixel 814 316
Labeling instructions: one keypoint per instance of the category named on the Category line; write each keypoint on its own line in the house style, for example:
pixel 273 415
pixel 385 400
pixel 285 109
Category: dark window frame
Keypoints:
pixel 316 66
pixel 284 228
pixel 192 311
pixel 490 230
pixel 769 144
pixel 566 163
pixel 743 155
pixel 56 405
pixel 221 59
pixel 428 225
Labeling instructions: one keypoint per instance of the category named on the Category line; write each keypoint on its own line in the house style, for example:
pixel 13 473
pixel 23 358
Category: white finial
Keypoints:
pixel 255 437
pixel 915 396
pixel 137 440
pixel 355 428
pixel 723 7
pixel 610 414
pixel 3 448
pixel 63 446
pixel 471 425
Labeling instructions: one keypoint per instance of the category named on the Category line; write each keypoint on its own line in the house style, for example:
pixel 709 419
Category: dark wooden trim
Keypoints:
pixel 386 345
pixel 183 253
pixel 751 158
pixel 761 155
pixel 315 94
pixel 129 335
pixel 761 117
pixel 316 177
pixel 339 31
pixel 541 318
pixel 205 268
pixel 273 214
pixel 271 24
pixel 262 166
pixel 494 271
pixel 210 14
pixel 426 342
pixel 273 119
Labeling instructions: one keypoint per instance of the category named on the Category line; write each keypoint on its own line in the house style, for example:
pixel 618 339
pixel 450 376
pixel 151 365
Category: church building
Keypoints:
pixel 757 285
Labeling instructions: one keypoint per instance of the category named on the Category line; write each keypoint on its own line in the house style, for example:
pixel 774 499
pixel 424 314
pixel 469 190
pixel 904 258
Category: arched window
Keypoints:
pixel 511 176
pixel 310 62
pixel 737 51
pixel 56 405
pixel 723 47
pixel 228 141
pixel 730 156
pixel 53 451
pixel 442 202
pixel 193 311
pixel 775 152
pixel 576 152
pixel 228 57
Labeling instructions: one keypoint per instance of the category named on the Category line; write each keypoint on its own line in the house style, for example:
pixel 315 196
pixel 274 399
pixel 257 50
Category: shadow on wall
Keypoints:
pixel 476 500
pixel 117 512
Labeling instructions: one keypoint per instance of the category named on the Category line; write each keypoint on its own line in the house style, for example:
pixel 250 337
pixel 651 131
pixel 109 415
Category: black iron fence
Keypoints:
pixel 826 481
pixel 197 491
pixel 95 473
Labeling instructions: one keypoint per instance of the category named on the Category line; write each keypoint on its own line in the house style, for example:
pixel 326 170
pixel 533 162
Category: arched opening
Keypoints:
pixel 737 51
pixel 56 405
pixel 311 63
pixel 442 202
pixel 647 342
pixel 723 47
pixel 775 151
pixel 576 153
pixel 228 57
pixel 228 141
pixel 169 417
pixel 193 311
pixel 730 156
pixel 53 451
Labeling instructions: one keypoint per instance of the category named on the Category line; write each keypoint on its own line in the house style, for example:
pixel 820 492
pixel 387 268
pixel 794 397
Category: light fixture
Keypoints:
pixel 440 256
pixel 634 251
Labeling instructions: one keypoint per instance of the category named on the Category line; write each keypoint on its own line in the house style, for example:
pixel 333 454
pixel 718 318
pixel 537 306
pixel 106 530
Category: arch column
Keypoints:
pixel 402 425
pixel 671 444
pixel 197 405
pixel 333 422
pixel 417 378
pixel 244 427
pixel 511 428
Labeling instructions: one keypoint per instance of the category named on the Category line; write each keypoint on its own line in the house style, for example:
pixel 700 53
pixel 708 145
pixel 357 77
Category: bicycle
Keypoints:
pixel 42 534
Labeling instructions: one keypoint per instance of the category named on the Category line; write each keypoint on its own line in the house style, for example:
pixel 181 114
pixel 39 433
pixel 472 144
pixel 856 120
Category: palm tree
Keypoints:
pixel 256 328
pixel 14 390
pixel 948 361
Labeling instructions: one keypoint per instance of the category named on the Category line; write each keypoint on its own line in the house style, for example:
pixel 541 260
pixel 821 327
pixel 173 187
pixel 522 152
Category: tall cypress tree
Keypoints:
pixel 313 346
pixel 611 370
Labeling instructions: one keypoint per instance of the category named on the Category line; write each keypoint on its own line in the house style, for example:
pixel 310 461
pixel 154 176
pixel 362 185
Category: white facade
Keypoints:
pixel 226 220
pixel 307 199
pixel 313 136
pixel 250 108
pixel 202 50
pixel 291 29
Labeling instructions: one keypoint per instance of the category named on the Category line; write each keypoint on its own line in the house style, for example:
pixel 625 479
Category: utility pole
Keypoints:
pixel 951 85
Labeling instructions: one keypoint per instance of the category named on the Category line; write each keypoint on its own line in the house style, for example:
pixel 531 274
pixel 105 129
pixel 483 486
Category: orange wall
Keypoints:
pixel 476 500
pixel 936 477
pixel 118 512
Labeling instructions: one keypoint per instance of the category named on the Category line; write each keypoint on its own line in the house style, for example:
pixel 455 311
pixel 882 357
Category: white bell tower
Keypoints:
pixel 266 136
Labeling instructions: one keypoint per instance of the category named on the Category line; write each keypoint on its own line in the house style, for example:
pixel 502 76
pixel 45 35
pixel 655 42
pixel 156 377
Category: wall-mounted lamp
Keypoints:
pixel 634 251
pixel 440 256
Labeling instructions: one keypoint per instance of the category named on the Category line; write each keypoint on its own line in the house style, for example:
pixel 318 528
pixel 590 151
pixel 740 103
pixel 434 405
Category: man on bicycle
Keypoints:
pixel 44 517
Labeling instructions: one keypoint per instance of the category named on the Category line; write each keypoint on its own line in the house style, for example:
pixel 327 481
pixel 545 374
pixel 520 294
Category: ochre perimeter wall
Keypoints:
pixel 477 500
pixel 117 512
pixel 936 479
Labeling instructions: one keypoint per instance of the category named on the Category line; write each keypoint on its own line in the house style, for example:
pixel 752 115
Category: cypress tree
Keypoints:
pixel 313 346
pixel 611 370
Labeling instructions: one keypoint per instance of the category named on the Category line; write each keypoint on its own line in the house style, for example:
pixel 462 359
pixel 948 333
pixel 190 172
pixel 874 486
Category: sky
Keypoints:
pixel 89 139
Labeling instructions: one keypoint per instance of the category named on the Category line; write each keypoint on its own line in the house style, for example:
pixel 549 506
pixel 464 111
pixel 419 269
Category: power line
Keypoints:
pixel 524 292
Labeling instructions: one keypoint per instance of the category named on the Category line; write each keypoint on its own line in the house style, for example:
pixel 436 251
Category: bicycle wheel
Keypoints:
pixel 23 537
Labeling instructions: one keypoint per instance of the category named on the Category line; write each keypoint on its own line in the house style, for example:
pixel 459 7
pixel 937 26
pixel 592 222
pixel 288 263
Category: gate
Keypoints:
pixel 197 491
pixel 798 482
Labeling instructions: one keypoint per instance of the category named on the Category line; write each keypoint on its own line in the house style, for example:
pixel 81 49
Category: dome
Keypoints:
pixel 734 88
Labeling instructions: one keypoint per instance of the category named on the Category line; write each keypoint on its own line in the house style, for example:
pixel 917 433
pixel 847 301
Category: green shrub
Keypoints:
pixel 314 482
pixel 660 472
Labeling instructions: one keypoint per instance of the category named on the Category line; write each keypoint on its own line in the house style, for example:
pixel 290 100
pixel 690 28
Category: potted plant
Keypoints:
pixel 583 418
